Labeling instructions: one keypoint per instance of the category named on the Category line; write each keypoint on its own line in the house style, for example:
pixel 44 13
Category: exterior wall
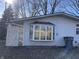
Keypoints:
pixel 63 27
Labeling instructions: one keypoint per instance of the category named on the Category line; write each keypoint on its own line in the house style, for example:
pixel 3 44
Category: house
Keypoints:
pixel 47 30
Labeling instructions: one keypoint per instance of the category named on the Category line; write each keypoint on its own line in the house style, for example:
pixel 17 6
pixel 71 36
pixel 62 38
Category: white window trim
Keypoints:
pixel 40 34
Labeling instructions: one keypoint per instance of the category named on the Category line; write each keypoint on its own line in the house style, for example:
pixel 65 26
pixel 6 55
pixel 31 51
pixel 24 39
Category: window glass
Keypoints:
pixel 36 37
pixel 77 25
pixel 37 27
pixel 77 30
pixel 49 32
pixel 36 32
pixel 43 32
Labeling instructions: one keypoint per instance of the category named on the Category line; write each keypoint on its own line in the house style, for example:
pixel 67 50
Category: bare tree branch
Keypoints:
pixel 36 7
pixel 74 5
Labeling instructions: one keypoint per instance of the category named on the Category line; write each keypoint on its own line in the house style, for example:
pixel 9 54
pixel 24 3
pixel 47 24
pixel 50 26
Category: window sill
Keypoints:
pixel 42 40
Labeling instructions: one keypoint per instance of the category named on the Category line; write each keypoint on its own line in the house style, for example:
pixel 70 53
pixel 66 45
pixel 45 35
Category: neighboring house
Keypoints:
pixel 47 30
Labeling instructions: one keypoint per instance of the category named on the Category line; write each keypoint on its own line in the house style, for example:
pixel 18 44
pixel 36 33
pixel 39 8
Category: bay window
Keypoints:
pixel 41 32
